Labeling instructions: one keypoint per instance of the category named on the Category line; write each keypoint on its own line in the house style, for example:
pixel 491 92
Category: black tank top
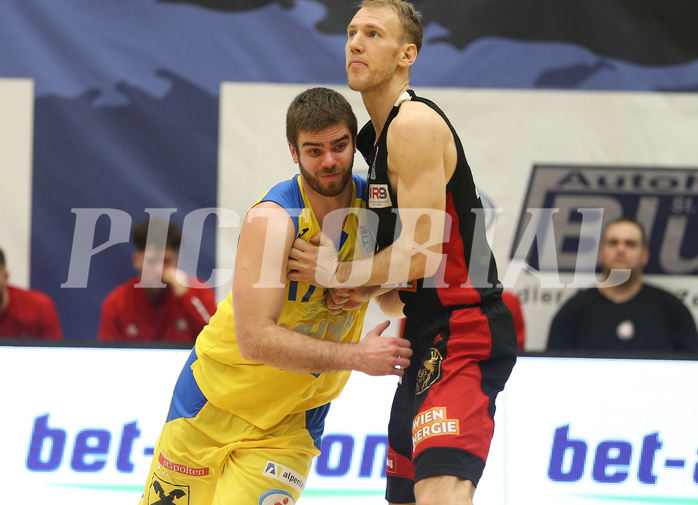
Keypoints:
pixel 467 274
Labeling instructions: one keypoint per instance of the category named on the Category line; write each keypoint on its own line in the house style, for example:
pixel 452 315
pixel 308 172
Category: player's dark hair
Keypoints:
pixel 410 18
pixel 164 232
pixel 2 259
pixel 631 220
pixel 316 109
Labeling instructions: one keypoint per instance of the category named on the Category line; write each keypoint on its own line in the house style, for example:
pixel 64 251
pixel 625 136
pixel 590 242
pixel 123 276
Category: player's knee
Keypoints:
pixel 444 490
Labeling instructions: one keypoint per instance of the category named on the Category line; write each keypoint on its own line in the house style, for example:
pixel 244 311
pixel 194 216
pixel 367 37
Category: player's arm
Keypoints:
pixel 50 322
pixel 685 333
pixel 339 299
pixel 563 329
pixel 259 294
pixel 390 304
pixel 109 327
pixel 417 142
pixel 196 306
pixel 418 139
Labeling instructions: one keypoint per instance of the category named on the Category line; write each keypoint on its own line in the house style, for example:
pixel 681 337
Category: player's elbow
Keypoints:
pixel 250 348
pixel 431 267
pixel 426 264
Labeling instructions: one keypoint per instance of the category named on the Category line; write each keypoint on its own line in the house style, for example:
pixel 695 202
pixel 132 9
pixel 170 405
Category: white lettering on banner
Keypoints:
pixel 119 232
pixel 664 200
pixel 83 240
pixel 543 227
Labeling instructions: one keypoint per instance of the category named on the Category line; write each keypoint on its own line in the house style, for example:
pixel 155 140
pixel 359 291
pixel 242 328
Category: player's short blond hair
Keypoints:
pixel 410 18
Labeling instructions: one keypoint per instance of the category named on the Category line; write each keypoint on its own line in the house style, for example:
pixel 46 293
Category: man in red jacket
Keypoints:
pixel 26 312
pixel 162 303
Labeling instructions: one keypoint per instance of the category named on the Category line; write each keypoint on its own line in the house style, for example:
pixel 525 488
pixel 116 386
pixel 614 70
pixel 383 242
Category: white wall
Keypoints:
pixel 16 140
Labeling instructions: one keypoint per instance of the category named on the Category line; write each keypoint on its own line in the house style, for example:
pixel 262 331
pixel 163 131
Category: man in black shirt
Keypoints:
pixel 630 316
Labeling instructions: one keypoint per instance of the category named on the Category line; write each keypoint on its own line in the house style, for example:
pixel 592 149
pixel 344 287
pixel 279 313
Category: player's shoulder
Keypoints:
pixel 417 121
pixel 416 113
pixel 582 299
pixel 30 296
pixel 360 185
pixel 123 290
pixel 656 293
pixel 285 194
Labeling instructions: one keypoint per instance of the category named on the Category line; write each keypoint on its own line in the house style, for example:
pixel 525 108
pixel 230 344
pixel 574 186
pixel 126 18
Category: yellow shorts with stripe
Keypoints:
pixel 206 455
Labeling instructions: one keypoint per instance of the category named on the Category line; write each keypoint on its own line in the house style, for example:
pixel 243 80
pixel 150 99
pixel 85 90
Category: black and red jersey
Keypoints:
pixel 467 275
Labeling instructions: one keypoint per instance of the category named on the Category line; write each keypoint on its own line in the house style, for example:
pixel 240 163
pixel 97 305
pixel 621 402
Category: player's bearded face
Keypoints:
pixel 328 181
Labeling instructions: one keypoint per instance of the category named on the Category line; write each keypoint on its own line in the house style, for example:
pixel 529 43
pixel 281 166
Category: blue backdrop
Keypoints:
pixel 126 105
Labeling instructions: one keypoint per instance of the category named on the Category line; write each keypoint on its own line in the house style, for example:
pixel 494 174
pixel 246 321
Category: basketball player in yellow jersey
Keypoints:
pixel 248 409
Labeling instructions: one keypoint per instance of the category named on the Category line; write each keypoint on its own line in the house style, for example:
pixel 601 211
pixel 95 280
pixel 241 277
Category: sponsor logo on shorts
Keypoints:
pixel 285 475
pixel 183 469
pixel 276 497
pixel 433 423
pixel 430 372
pixel 379 196
pixel 161 492
pixel 391 464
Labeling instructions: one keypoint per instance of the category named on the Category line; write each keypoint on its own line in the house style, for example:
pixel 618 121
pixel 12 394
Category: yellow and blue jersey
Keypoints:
pixel 261 394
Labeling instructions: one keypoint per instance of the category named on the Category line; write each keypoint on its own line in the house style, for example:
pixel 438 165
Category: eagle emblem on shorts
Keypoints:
pixel 430 371
pixel 164 493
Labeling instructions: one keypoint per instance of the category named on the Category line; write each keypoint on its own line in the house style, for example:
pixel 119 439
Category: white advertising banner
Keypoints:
pixel 79 426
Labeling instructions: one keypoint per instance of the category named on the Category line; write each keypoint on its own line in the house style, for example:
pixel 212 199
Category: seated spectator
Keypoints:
pixel 632 316
pixel 511 300
pixel 26 312
pixel 158 304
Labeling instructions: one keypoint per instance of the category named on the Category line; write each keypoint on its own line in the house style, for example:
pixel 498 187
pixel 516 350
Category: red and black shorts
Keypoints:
pixel 442 418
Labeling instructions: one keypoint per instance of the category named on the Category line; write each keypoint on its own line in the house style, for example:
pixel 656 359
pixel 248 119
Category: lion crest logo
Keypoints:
pixel 430 371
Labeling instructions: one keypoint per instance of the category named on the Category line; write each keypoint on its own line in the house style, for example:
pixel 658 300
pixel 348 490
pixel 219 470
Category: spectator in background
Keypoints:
pixel 632 316
pixel 511 300
pixel 158 305
pixel 26 312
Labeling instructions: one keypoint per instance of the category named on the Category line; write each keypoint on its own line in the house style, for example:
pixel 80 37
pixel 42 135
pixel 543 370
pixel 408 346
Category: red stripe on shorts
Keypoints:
pixel 455 410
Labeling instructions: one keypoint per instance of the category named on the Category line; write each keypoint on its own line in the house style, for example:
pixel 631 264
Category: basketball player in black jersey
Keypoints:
pixel 430 241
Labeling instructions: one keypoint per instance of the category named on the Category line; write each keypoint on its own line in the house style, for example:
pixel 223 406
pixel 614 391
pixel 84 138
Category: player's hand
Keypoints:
pixel 175 279
pixel 339 299
pixel 383 355
pixel 315 262
pixel 336 300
